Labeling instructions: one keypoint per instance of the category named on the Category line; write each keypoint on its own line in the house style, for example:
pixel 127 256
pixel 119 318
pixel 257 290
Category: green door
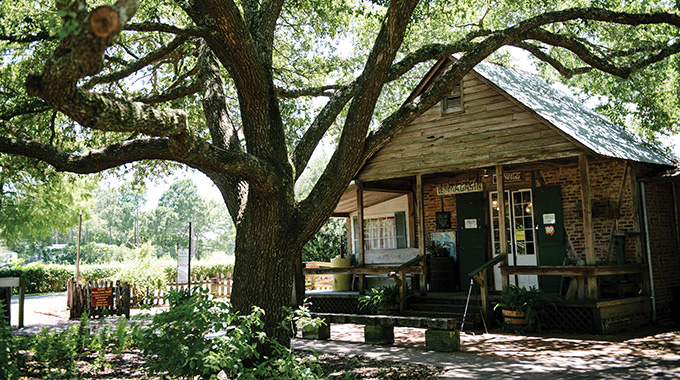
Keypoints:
pixel 550 232
pixel 471 235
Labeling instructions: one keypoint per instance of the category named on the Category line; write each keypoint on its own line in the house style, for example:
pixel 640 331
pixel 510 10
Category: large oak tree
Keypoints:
pixel 223 86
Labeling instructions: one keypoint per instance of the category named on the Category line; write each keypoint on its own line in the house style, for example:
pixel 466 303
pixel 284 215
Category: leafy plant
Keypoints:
pixel 435 249
pixel 201 336
pixel 9 368
pixel 378 298
pixel 531 301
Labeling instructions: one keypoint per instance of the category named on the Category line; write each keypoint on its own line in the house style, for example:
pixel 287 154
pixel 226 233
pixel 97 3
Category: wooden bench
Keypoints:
pixel 441 334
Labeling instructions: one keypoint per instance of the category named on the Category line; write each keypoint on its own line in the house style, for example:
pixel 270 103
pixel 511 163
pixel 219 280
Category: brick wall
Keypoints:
pixel 606 181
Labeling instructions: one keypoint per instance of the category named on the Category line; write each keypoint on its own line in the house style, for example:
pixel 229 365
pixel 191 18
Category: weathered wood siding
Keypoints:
pixel 492 130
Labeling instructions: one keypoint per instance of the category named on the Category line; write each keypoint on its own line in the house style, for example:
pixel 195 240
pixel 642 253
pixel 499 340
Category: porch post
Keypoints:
pixel 360 232
pixel 503 238
pixel 588 222
pixel 420 209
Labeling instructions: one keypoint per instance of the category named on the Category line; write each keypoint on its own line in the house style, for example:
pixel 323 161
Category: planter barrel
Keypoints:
pixel 513 317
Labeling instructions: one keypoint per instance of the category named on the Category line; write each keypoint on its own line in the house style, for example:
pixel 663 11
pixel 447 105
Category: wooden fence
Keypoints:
pixel 218 286
pixel 318 281
pixel 98 298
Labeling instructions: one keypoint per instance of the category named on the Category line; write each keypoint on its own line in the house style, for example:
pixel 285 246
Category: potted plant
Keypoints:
pixel 381 300
pixel 524 308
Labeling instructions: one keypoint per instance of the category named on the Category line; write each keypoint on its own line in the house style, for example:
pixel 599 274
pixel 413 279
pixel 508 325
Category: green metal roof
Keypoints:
pixel 584 125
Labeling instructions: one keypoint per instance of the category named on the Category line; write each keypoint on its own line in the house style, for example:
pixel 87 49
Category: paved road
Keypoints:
pixel 41 309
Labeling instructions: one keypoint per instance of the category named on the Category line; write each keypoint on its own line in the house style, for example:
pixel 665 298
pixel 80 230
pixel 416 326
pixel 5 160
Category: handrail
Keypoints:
pixel 497 259
pixel 408 264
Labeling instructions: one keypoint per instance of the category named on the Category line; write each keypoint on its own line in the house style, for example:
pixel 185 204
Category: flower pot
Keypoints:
pixel 513 317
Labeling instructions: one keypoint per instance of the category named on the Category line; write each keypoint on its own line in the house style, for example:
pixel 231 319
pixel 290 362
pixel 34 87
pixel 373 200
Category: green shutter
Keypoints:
pixel 471 240
pixel 548 203
pixel 355 233
pixel 400 224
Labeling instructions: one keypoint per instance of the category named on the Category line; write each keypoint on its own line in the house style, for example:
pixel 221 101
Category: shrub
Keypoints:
pixel 40 278
pixel 177 341
pixel 9 368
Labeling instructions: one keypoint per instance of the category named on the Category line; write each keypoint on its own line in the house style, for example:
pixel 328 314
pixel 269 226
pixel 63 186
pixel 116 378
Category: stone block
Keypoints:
pixel 376 334
pixel 320 332
pixel 442 340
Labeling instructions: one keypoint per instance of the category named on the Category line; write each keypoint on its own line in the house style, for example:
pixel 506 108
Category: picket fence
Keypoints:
pixel 218 286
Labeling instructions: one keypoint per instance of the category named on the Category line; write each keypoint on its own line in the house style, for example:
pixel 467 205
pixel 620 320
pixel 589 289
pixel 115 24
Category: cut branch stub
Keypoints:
pixel 104 21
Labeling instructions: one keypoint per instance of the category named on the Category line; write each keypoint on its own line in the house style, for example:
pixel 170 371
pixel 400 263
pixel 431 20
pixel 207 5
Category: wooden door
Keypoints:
pixel 471 235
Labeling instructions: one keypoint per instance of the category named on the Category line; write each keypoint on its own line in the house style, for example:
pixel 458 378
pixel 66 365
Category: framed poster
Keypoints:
pixel 447 240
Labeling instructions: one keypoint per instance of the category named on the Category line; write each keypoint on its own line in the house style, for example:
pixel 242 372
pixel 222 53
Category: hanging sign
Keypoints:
pixel 460 188
pixel 550 229
pixel 509 177
pixel 102 297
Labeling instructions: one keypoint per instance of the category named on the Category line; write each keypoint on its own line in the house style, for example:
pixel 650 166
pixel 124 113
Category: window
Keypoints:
pixel 453 102
pixel 380 233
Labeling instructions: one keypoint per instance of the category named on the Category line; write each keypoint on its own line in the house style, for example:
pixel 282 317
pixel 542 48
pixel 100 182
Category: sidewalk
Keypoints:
pixel 650 355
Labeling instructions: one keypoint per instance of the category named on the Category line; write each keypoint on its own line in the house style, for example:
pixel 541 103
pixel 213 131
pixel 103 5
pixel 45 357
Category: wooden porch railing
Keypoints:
pixel 578 272
pixel 318 281
pixel 398 273
pixel 481 278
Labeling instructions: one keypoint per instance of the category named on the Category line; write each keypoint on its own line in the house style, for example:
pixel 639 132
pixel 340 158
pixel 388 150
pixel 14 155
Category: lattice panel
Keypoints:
pixel 566 318
pixel 320 304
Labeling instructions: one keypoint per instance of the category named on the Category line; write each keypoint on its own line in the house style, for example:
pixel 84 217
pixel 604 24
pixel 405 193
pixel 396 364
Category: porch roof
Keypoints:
pixel 582 124
pixel 348 201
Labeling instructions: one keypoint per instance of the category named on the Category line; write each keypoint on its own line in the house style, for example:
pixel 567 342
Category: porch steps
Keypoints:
pixel 446 305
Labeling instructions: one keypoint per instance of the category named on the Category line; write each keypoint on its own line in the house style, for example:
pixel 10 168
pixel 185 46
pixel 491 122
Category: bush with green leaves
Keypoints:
pixel 201 270
pixel 9 357
pixel 40 278
pixel 202 336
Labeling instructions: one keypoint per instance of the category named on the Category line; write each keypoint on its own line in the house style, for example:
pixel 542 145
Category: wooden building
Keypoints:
pixel 591 211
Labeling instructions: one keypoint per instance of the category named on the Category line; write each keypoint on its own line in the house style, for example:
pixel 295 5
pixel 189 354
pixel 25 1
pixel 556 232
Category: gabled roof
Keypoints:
pixel 575 120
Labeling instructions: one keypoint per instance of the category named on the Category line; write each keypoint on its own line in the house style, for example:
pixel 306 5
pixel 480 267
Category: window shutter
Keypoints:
pixel 400 226
pixel 355 233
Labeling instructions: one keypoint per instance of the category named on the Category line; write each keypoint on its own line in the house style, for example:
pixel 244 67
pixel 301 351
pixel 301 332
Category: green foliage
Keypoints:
pixel 9 357
pixel 143 273
pixel 201 336
pixel 326 243
pixel 35 206
pixel 56 352
pixel 90 253
pixel 379 298
pixel 201 270
pixel 533 302
pixel 40 278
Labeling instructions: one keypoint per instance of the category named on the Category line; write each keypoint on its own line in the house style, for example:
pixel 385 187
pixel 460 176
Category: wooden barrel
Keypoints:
pixel 513 317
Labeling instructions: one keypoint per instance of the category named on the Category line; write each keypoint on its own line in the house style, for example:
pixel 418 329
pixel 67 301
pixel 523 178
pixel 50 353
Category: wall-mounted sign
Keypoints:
pixel 102 297
pixel 460 188
pixel 549 218
pixel 183 269
pixel 510 177
pixel 470 224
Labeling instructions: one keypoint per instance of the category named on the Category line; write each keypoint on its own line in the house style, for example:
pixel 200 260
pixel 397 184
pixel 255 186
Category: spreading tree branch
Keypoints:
pixel 139 64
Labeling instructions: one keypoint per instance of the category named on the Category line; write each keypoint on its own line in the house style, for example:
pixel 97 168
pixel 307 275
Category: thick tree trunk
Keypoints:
pixel 266 259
